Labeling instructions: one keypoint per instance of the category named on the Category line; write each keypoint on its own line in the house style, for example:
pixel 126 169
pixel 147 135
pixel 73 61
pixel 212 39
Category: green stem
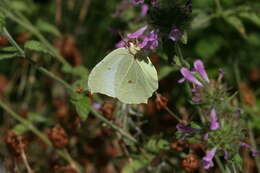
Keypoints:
pixel 120 130
pixel 219 7
pixel 253 142
pixel 179 54
pixel 13 42
pixel 220 165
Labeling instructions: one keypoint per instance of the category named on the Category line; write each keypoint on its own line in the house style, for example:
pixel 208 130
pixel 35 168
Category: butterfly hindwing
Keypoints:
pixel 136 80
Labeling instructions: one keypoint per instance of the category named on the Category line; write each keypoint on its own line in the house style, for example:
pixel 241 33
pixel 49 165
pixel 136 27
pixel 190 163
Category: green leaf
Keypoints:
pixel 82 105
pixel 44 26
pixel 253 17
pixel 208 46
pixel 8 49
pixel 184 38
pixel 166 70
pixel 20 129
pixel 200 21
pixel 135 165
pixel 2 22
pixel 34 117
pixel 36 46
pixel 237 24
pixel 8 56
pixel 157 145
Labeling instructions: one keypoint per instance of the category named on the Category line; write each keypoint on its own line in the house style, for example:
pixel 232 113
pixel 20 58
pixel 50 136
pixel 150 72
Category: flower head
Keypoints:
pixel 144 10
pixel 137 2
pixel 199 67
pixel 137 33
pixel 185 129
pixel 175 34
pixel 189 77
pixel 214 124
pixel 207 160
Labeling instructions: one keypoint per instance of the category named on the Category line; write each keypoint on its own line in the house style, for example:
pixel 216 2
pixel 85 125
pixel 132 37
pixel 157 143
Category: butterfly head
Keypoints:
pixel 132 47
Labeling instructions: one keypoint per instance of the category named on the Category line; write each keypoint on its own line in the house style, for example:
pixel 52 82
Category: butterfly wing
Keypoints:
pixel 135 80
pixel 103 76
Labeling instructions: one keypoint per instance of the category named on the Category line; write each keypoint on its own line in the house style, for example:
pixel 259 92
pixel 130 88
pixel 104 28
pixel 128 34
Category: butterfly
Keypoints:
pixel 125 74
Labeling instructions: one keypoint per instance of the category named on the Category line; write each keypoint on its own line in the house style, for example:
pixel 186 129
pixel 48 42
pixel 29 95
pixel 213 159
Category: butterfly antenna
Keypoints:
pixel 122 38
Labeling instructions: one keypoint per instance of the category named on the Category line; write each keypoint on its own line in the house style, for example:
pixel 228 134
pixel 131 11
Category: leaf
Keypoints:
pixel 33 118
pixel 200 21
pixel 2 22
pixel 8 56
pixel 44 26
pixel 82 105
pixel 8 49
pixel 208 46
pixel 135 165
pixel 184 38
pixel 237 24
pixel 253 17
pixel 20 129
pixel 36 46
pixel 157 145
pixel 166 70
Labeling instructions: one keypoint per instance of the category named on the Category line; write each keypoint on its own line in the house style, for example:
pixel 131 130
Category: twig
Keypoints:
pixel 26 163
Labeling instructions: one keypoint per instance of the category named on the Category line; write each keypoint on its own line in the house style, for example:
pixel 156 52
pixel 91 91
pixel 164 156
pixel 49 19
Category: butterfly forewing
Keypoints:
pixel 102 77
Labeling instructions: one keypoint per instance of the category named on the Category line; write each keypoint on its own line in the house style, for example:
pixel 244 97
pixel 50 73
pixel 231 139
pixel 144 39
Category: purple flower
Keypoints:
pixel 214 125
pixel 137 33
pixel 226 155
pixel 206 136
pixel 207 160
pixel 199 67
pixel 185 129
pixel 144 10
pixel 189 76
pixel 196 99
pixel 221 73
pixel 145 40
pixel 137 2
pixel 120 44
pixel 154 3
pixel 96 105
pixel 175 34
pixel 254 151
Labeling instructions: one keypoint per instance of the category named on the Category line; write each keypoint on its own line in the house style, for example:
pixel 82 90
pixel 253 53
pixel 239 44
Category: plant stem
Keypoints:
pixel 13 42
pixel 106 121
pixel 220 165
pixel 172 114
pixel 253 142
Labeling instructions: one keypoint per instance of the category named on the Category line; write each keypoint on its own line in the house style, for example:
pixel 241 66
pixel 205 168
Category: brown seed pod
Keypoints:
pixel 190 163
pixel 179 145
pixel 15 143
pixel 58 137
pixel 108 109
